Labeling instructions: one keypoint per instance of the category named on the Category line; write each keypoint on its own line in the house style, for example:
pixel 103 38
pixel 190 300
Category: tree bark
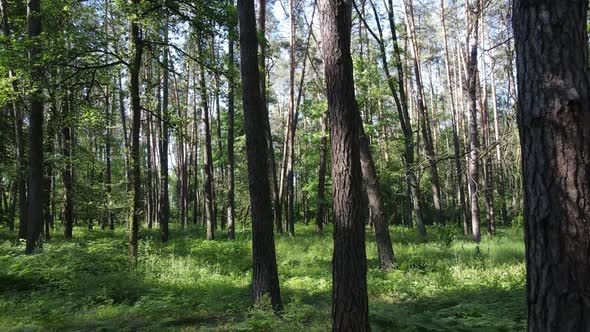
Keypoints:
pixel 320 215
pixel 473 168
pixel 164 134
pixel 271 158
pixel 35 212
pixel 499 164
pixel 68 174
pixel 134 70
pixel 424 117
pixel 401 103
pixel 349 265
pixel 456 142
pixel 265 277
pixel 554 122
pixel 382 236
pixel 488 178
pixel 231 220
pixel 208 182
pixel 21 168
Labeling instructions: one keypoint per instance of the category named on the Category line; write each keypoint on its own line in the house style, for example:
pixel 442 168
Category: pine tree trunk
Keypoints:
pixel 35 208
pixel 456 143
pixel 265 280
pixel 424 117
pixel 262 66
pixel 554 122
pixel 164 198
pixel 21 168
pixel 488 178
pixel 349 288
pixel 382 236
pixel 231 220
pixel 473 167
pixel 134 70
pixel 499 164
pixel 207 169
pixel 320 215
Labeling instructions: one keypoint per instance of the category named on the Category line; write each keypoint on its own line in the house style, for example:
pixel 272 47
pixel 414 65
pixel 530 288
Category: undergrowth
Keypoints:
pixel 441 283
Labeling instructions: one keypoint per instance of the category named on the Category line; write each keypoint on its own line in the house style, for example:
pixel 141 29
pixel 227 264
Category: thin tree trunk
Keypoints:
pixel 382 236
pixel 231 220
pixel 68 175
pixel 164 198
pixel 134 70
pixel 401 103
pixel 320 215
pixel 262 67
pixel 35 212
pixel 473 26
pixel 21 168
pixel 499 165
pixel 209 211
pixel 456 143
pixel 424 117
pixel 488 178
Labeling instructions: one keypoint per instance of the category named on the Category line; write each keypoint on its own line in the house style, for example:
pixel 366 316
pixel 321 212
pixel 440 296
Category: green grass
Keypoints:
pixel 441 283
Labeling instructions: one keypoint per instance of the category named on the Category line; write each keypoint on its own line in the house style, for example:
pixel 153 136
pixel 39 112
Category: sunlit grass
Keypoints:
pixel 440 283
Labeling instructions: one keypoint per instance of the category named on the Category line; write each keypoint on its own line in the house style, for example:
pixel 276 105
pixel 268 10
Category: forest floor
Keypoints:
pixel 441 283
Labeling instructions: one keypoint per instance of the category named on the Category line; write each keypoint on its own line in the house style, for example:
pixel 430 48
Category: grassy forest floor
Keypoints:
pixel 189 284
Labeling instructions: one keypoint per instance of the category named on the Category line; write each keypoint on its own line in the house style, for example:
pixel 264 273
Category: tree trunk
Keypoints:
pixel 21 168
pixel 231 220
pixel 262 67
pixel 164 198
pixel 499 164
pixel 424 116
pixel 68 174
pixel 473 169
pixel 265 277
pixel 134 70
pixel 349 265
pixel 554 122
pixel 209 211
pixel 35 212
pixel 488 178
pixel 382 236
pixel 401 103
pixel 48 175
pixel 456 143
pixel 322 176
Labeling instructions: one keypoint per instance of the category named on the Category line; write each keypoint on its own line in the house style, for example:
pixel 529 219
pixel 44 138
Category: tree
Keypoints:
pixel 134 71
pixel 554 122
pixel 265 279
pixel 208 159
pixel 261 21
pixel 35 213
pixel 231 222
pixel 319 219
pixel 401 103
pixel 68 173
pixel 14 110
pixel 164 135
pixel 456 143
pixel 424 117
pixel 384 246
pixel 473 166
pixel 349 264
